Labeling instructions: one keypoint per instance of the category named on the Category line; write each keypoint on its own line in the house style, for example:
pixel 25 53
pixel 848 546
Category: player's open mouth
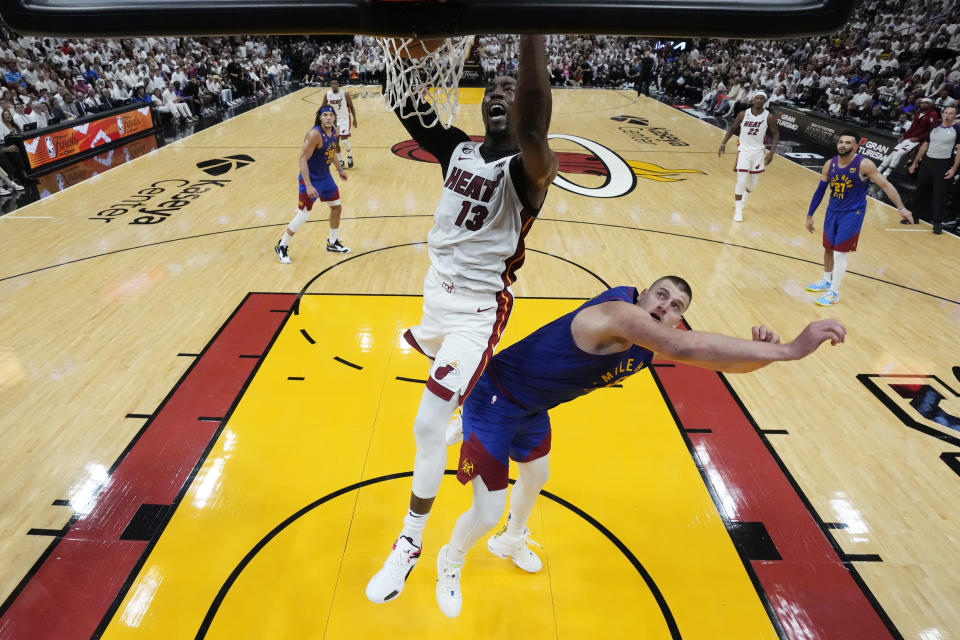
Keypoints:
pixel 497 110
pixel 655 316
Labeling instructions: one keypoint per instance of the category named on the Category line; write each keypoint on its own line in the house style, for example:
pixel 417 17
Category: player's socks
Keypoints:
pixel 839 268
pixel 334 234
pixel 285 240
pixel 738 210
pixel 413 526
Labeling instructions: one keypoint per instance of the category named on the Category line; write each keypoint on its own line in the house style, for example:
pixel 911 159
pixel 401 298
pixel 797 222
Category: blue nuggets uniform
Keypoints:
pixel 320 178
pixel 506 414
pixel 846 207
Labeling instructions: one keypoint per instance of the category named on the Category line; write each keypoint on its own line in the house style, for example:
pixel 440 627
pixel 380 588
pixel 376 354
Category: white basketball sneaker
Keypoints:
pixel 388 582
pixel 449 596
pixel 516 549
pixel 454 433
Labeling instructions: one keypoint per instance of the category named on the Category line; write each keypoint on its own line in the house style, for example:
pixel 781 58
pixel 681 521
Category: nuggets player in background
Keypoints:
pixel 605 340
pixel 346 116
pixel 754 124
pixel 491 195
pixel 318 152
pixel 846 175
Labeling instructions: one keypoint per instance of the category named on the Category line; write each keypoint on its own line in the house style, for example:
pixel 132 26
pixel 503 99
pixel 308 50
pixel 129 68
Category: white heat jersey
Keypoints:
pixel 338 101
pixel 753 130
pixel 478 228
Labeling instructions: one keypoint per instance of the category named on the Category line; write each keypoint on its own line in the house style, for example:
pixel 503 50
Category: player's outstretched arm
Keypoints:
pixel 533 106
pixel 606 326
pixel 869 171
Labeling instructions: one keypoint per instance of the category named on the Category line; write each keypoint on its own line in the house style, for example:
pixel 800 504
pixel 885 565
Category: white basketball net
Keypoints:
pixel 432 80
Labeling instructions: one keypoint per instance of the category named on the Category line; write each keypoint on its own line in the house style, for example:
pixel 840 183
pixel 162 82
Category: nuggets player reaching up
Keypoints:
pixel 319 150
pixel 846 176
pixel 606 339
pixel 492 192
pixel 754 124
pixel 346 116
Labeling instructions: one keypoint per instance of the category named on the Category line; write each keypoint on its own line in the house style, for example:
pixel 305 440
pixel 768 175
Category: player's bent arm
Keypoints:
pixel 533 105
pixel 869 170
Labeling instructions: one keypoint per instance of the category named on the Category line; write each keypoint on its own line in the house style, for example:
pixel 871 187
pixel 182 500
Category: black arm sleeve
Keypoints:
pixel 437 140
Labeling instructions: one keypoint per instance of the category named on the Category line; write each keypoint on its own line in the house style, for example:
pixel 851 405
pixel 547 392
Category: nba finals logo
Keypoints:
pixel 51 150
pixel 120 125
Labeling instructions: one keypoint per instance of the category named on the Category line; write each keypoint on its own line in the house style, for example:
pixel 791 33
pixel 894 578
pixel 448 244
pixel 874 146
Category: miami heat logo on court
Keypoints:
pixel 620 175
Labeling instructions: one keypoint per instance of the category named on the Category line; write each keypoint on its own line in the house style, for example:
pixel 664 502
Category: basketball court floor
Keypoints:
pixel 200 442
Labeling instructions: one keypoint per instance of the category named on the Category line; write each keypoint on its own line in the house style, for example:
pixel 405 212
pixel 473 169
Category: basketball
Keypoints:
pixel 420 48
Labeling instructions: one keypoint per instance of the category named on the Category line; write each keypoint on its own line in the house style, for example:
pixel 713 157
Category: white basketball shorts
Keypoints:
pixel 459 330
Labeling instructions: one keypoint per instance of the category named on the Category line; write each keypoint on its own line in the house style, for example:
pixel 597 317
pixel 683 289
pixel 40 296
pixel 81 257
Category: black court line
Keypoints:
pixel 189 355
pixel 54 533
pixel 250 356
pixel 61 503
pixel 775 431
pixel 699 430
pixel 596 224
pixel 211 419
pixel 861 557
pixel 835 525
pixel 615 386
pixel 250 555
pixel 347 362
pixel 417 380
pixel 306 335
pixel 952 460
pixel 279 310
pixel 303 290
pixel 146 416
pixel 663 365
pixel 295 378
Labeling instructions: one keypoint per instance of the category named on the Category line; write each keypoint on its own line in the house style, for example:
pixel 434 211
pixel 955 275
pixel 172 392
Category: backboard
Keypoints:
pixel 710 18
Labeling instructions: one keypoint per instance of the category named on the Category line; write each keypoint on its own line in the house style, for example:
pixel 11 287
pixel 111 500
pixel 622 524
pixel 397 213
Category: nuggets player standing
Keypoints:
pixel 754 123
pixel 319 150
pixel 492 193
pixel 343 108
pixel 846 175
pixel 605 340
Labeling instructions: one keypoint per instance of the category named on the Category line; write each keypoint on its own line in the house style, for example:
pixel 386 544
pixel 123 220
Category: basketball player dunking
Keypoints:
pixel 846 175
pixel 606 339
pixel 342 105
pixel 492 193
pixel 318 152
pixel 754 124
